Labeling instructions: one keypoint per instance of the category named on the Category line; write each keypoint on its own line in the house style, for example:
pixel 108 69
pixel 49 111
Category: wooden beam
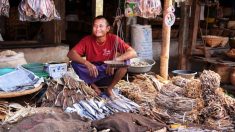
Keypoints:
pixel 183 35
pixel 164 59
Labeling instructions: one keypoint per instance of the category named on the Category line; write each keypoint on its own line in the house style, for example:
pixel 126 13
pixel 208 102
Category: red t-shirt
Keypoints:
pixel 98 53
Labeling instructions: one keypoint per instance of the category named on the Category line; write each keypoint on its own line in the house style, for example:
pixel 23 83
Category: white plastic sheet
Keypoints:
pixel 18 80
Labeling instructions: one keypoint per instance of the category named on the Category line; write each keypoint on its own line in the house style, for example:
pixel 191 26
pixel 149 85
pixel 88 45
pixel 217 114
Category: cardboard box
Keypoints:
pixel 56 70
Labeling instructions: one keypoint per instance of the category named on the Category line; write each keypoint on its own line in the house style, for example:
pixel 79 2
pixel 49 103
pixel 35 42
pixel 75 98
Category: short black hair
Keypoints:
pixel 101 17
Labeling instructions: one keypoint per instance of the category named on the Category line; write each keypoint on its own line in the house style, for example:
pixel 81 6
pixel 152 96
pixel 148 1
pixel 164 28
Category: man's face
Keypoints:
pixel 100 28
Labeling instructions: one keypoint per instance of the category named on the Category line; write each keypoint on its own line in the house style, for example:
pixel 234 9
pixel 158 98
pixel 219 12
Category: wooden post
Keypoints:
pixel 97 7
pixel 194 27
pixel 53 31
pixel 193 30
pixel 164 59
pixel 183 35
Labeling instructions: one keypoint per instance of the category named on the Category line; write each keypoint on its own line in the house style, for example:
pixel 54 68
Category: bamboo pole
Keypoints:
pixel 164 59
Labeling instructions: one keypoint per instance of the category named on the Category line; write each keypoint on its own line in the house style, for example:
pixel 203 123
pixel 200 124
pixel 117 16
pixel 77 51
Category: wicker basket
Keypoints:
pixel 215 41
pixel 20 93
pixel 231 53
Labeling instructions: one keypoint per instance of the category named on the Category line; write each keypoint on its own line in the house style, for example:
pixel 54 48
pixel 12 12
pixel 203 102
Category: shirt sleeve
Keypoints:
pixel 80 47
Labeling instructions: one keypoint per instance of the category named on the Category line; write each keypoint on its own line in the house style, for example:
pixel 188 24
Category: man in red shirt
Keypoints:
pixel 97 48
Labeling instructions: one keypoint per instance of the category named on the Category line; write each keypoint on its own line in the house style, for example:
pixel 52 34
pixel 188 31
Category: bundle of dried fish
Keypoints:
pixel 53 89
pixel 210 82
pixel 193 89
pixel 176 103
pixel 156 83
pixel 133 91
pixel 214 110
pixel 180 81
pixel 210 79
pixel 72 83
pixel 224 124
pixel 172 90
pixel 144 82
pixel 67 91
pixel 3 109
pixel 228 102
pixel 171 116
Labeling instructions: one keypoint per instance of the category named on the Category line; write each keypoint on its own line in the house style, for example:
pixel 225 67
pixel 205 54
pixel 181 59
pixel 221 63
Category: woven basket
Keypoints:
pixel 215 41
pixel 19 93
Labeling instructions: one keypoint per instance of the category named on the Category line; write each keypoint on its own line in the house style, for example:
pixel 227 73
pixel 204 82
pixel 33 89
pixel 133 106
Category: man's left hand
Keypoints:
pixel 110 70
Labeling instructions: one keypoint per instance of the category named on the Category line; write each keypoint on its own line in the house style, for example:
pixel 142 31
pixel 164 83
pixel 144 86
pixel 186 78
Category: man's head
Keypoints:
pixel 100 26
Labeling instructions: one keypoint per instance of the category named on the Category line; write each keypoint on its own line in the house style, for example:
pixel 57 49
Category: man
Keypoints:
pixel 97 48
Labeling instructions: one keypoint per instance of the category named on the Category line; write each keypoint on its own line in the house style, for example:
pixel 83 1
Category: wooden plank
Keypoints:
pixel 164 59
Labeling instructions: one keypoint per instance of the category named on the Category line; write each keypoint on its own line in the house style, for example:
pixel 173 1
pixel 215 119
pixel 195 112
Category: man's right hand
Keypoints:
pixel 91 68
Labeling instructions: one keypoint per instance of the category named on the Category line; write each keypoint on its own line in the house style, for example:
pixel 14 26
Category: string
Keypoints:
pixel 119 33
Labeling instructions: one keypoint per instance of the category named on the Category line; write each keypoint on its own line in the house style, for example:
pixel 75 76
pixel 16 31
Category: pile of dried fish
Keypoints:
pixel 99 108
pixel 67 91
pixel 4 8
pixel 15 112
pixel 142 90
pixel 214 113
pixel 144 82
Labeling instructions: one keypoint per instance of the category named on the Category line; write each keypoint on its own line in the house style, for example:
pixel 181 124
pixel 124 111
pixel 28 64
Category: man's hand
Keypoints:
pixel 92 69
pixel 110 70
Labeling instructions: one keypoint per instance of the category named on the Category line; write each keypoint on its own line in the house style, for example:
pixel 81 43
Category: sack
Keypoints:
pixel 12 60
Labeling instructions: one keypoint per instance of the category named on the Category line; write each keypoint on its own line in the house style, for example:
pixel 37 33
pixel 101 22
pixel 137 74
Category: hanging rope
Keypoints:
pixel 118 23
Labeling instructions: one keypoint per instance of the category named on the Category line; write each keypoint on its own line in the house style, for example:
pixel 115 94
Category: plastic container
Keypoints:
pixel 141 40
pixel 188 74
pixel 6 70
pixel 37 69
pixel 140 69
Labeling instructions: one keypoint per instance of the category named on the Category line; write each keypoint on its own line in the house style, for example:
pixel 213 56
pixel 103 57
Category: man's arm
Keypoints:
pixel 74 56
pixel 130 53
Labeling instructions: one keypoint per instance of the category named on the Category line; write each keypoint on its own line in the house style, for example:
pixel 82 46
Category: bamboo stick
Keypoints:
pixel 164 59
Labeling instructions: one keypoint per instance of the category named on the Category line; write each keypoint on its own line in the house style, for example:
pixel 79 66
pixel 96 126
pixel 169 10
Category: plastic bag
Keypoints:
pixel 11 59
pixel 4 8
